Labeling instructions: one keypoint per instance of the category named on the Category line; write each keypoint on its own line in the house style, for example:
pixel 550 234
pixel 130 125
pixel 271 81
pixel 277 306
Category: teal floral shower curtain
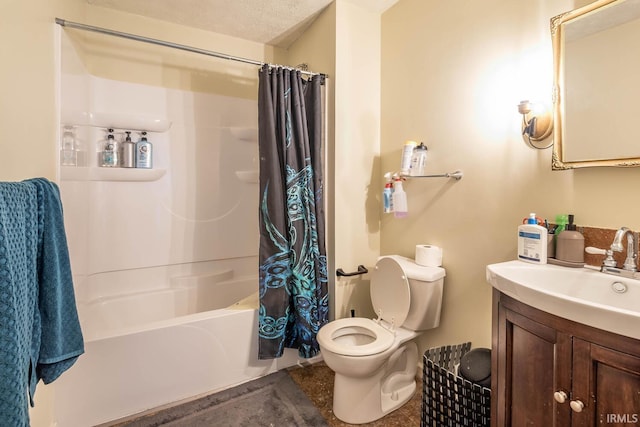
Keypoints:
pixel 292 255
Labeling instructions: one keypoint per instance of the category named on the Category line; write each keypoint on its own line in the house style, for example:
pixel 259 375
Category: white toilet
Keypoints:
pixel 375 361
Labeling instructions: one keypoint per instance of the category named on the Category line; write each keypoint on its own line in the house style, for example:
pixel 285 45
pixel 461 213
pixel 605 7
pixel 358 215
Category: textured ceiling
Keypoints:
pixel 274 22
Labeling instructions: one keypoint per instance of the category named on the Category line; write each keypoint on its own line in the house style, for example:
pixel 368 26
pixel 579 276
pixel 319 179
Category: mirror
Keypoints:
pixel 597 85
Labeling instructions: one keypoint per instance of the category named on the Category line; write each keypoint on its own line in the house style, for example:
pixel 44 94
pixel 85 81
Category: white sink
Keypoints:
pixel 581 294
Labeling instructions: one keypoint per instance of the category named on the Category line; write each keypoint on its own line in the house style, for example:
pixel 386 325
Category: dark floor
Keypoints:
pixel 316 381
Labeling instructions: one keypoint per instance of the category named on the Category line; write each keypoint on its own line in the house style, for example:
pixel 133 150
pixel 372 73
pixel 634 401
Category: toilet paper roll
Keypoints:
pixel 428 255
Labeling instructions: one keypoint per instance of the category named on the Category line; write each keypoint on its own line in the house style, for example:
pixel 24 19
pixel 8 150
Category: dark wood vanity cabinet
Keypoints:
pixel 549 371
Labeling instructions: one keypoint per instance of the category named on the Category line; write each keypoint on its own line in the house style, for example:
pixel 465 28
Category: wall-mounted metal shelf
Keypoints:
pixel 457 175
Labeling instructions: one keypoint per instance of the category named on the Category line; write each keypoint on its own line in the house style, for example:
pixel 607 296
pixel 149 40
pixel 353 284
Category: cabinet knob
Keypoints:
pixel 576 405
pixel 560 396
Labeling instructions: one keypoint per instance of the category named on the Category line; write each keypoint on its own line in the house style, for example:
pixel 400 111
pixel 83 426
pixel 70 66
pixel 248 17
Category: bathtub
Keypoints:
pixel 151 347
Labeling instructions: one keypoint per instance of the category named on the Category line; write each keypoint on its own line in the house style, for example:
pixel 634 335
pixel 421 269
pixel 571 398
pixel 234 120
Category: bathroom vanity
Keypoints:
pixel 548 370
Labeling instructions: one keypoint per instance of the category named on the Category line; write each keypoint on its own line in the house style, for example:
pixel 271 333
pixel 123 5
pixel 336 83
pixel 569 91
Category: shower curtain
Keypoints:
pixel 292 255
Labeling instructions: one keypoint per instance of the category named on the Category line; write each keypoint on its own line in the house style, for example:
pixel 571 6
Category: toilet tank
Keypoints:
pixel 426 285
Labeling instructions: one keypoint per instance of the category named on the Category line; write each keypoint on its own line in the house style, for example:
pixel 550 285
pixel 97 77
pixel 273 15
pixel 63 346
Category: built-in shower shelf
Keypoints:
pixel 132 122
pixel 72 173
pixel 250 176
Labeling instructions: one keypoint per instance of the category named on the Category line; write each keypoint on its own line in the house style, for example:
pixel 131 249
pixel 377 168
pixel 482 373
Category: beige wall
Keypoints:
pixel 127 60
pixel 357 154
pixel 452 75
pixel 27 113
pixel 28 117
pixel 345 43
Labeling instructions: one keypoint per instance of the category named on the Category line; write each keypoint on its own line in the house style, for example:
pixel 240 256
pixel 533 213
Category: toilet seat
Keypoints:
pixel 382 338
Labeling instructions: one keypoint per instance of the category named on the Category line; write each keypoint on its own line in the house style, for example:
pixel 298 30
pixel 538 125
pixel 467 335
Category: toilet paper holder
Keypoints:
pixel 361 270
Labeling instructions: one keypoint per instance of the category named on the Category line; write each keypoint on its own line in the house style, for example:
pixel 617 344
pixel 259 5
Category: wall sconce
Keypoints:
pixel 537 124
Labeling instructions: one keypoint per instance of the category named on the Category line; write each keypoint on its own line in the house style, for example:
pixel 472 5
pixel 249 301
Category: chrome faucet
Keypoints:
pixel 630 263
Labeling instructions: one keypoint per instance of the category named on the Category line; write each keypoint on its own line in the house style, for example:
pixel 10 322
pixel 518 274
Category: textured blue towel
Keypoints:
pixel 18 296
pixel 40 334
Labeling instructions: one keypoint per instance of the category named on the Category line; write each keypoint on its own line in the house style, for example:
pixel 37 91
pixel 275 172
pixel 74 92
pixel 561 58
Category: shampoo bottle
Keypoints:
pixel 144 153
pixel 128 152
pixel 110 151
pixel 400 208
pixel 532 241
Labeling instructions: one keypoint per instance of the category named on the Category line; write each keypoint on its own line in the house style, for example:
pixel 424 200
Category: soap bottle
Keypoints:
pixel 570 246
pixel 110 151
pixel 532 241
pixel 419 160
pixel 400 208
pixel 144 153
pixel 128 152
pixel 387 195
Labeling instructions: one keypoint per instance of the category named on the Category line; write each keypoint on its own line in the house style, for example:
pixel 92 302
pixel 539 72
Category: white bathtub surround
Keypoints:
pixel 159 256
pixel 110 306
pixel 163 362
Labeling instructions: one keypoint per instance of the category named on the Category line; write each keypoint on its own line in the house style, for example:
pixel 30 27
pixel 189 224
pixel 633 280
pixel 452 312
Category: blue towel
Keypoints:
pixel 40 335
pixel 18 296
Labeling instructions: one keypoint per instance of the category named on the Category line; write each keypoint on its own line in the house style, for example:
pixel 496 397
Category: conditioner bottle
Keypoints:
pixel 144 153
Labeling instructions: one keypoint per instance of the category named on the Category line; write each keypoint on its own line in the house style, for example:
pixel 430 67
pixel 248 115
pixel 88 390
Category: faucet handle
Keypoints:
pixel 595 251
pixel 608 261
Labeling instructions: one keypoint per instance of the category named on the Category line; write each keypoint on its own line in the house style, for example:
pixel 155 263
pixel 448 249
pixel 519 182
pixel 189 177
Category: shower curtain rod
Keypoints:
pixel 79 26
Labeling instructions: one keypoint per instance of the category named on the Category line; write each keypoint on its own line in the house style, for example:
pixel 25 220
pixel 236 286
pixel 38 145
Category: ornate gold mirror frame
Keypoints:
pixel 558 32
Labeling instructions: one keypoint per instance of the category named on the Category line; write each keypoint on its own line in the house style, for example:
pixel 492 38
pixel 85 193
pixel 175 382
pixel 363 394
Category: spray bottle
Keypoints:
pixel 387 194
pixel 400 209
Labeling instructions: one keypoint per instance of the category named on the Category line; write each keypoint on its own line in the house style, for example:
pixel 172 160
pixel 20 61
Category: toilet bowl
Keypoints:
pixel 375 360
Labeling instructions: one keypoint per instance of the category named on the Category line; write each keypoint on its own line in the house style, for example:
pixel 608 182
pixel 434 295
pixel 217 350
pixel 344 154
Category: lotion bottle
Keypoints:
pixel 144 153
pixel 400 208
pixel 532 241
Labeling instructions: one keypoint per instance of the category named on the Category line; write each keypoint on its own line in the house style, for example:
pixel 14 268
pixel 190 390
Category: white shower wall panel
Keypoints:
pixel 199 210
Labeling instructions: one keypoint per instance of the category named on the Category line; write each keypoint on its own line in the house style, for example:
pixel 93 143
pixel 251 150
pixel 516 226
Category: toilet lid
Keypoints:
pixel 390 294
